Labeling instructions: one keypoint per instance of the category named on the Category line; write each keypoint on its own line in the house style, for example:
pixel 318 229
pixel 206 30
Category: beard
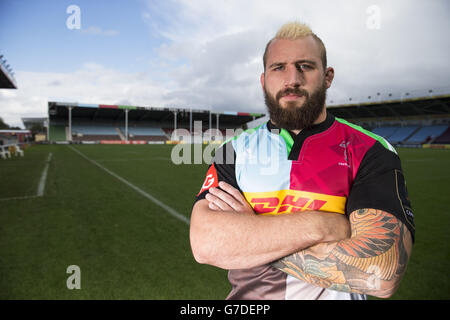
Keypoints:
pixel 292 116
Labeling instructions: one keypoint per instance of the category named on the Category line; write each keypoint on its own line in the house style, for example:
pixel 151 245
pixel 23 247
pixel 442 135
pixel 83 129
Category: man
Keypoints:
pixel 329 218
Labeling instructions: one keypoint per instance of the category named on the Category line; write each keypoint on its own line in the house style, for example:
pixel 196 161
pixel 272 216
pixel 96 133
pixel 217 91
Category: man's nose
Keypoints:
pixel 294 77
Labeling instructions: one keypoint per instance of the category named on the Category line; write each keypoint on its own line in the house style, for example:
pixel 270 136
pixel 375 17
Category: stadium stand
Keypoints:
pixel 402 134
pixel 76 129
pixel 95 137
pixel 167 131
pixel 7 80
pixel 411 134
pixel 114 123
pixel 146 134
pixel 148 138
pixel 427 134
pixel 403 118
pixel 443 138
pixel 385 132
pixel 408 119
pixel 57 133
pixel 145 131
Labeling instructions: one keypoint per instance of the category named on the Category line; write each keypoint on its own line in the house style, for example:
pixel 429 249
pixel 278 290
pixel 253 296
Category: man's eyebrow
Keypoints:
pixel 306 61
pixel 278 64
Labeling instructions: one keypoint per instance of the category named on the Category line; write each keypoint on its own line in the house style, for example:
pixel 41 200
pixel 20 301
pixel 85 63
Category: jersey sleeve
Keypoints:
pixel 222 168
pixel 380 184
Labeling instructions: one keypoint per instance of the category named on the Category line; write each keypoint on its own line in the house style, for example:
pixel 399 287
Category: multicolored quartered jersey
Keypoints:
pixel 333 166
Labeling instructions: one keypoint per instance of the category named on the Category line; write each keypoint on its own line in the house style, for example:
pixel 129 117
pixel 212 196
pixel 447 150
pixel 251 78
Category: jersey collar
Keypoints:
pixel 295 142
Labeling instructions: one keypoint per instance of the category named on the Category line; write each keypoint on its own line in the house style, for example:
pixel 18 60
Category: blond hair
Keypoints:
pixel 294 31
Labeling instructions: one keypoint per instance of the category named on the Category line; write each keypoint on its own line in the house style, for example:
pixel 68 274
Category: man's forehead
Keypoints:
pixel 285 50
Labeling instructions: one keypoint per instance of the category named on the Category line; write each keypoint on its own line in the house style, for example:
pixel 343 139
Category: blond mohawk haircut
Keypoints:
pixel 294 31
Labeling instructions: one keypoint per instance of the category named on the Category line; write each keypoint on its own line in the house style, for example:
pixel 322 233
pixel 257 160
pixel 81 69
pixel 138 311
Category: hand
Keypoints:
pixel 334 226
pixel 227 198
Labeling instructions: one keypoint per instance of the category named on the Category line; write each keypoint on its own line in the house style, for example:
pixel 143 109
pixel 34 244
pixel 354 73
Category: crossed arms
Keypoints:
pixel 366 254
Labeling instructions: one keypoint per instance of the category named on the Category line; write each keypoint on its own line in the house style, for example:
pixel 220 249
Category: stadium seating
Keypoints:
pixel 443 138
pixel 111 131
pixel 402 133
pixel 148 138
pixel 427 134
pixel 167 131
pixel 96 137
pixel 385 132
pixel 146 134
pixel 136 131
pixel 415 134
pixel 94 130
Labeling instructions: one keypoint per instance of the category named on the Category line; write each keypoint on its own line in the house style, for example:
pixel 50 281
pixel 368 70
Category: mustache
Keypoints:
pixel 288 91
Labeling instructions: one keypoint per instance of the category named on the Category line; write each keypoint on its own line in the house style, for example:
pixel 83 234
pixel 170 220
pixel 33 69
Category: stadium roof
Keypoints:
pixel 7 80
pixel 136 113
pixel 29 122
pixel 398 108
pixel 14 131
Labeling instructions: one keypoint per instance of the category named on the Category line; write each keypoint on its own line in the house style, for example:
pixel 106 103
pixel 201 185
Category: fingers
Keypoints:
pixel 233 192
pixel 244 205
pixel 226 198
pixel 217 203
pixel 212 206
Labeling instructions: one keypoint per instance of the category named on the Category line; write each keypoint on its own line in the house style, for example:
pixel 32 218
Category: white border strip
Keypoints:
pixel 170 210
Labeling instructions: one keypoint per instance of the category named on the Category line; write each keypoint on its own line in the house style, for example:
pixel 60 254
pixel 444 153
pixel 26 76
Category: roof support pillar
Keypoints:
pixel 70 123
pixel 126 125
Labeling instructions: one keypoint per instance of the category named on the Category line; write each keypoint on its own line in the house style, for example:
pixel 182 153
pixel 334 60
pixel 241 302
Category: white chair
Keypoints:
pixel 4 152
pixel 18 151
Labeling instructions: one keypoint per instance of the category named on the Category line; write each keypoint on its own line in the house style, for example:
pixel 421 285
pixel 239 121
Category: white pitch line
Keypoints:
pixel 18 198
pixel 170 210
pixel 41 186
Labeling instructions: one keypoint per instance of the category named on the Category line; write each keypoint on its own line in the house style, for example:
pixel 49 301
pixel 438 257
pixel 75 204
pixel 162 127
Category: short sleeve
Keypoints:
pixel 222 168
pixel 380 184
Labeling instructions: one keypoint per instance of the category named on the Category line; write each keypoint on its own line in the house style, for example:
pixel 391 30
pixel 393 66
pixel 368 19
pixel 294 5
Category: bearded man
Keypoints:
pixel 333 219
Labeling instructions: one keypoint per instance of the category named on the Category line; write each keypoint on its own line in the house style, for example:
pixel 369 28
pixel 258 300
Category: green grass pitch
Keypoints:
pixel 127 247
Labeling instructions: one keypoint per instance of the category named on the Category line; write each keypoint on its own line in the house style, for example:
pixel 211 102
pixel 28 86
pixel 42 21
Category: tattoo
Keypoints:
pixel 372 261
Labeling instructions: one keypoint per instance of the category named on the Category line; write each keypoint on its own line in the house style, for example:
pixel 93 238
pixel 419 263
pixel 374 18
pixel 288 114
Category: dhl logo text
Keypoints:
pixel 289 204
pixel 288 201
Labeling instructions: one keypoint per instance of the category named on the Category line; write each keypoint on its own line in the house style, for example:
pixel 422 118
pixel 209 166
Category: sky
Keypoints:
pixel 207 54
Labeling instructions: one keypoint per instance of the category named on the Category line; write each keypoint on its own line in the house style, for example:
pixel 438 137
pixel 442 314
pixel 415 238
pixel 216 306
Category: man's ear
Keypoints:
pixel 329 76
pixel 261 79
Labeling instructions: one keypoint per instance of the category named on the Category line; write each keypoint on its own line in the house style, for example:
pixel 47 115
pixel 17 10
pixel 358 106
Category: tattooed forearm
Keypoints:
pixel 371 262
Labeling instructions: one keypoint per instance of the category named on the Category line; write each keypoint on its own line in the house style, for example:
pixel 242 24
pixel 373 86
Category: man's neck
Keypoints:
pixel 321 118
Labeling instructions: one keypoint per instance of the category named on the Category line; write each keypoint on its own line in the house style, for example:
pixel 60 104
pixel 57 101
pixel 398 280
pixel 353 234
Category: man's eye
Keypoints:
pixel 278 68
pixel 303 67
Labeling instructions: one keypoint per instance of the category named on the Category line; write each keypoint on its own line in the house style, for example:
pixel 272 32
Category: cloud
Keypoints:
pixel 219 46
pixel 93 83
pixel 209 54
pixel 93 30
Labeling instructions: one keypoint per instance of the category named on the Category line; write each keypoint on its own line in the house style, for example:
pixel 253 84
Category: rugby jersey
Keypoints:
pixel 333 166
